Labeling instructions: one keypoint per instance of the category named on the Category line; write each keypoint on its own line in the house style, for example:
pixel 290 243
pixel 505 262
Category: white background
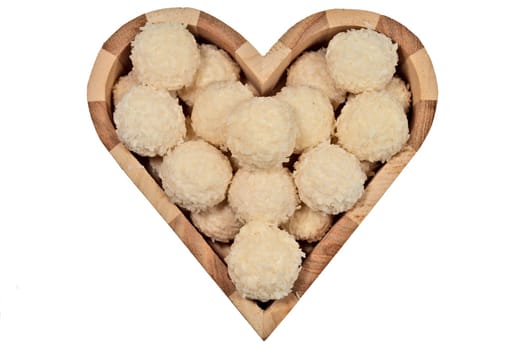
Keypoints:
pixel 87 263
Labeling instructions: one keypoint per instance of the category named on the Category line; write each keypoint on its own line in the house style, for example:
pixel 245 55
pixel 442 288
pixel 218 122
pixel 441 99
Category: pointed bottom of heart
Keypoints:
pixel 263 317
pixel 264 72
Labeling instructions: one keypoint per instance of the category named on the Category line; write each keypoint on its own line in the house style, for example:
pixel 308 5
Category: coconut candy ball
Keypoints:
pixel 213 105
pixel 123 85
pixel 215 65
pixel 267 195
pixel 311 69
pixel 329 179
pixel 314 115
pixel 361 60
pixel 400 91
pixel 217 222
pixel 264 261
pixel 262 132
pixel 165 55
pixel 372 126
pixel 149 122
pixel 195 175
pixel 308 225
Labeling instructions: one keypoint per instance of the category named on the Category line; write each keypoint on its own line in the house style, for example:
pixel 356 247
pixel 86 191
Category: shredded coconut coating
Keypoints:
pixel 313 113
pixel 311 69
pixel 213 105
pixel 264 261
pixel 215 65
pixel 308 225
pixel 217 222
pixel 268 195
pixel 123 86
pixel 329 179
pixel 361 60
pixel 400 91
pixel 372 126
pixel 165 55
pixel 149 122
pixel 195 175
pixel 261 132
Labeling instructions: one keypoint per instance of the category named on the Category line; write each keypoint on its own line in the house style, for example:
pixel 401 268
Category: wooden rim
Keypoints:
pixel 263 72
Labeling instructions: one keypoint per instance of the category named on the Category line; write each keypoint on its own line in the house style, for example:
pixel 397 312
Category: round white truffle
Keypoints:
pixel 308 225
pixel 217 222
pixel 262 132
pixel 314 115
pixel 361 60
pixel 123 85
pixel 165 55
pixel 213 105
pixel 215 65
pixel 267 195
pixel 329 179
pixel 149 122
pixel 195 175
pixel 372 126
pixel 264 261
pixel 400 91
pixel 311 69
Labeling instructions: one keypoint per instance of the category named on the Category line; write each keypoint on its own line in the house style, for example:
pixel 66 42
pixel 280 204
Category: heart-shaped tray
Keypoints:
pixel 264 73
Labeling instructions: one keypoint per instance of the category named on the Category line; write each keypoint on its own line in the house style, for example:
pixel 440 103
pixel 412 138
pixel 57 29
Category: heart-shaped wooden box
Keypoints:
pixel 264 73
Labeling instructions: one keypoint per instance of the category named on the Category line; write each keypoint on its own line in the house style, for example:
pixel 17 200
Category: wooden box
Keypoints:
pixel 264 73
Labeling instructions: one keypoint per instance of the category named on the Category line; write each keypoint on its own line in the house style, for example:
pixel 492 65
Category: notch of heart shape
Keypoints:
pixel 266 74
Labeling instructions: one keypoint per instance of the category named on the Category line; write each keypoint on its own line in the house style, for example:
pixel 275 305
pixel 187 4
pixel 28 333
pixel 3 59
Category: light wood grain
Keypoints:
pixel 263 72
pixel 301 35
pixel 145 183
pixel 102 69
pixel 341 19
pixel 221 249
pixel 271 66
pixel 379 184
pixel 185 15
pixel 273 315
pixel 251 312
pixel 420 74
pixel 323 252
